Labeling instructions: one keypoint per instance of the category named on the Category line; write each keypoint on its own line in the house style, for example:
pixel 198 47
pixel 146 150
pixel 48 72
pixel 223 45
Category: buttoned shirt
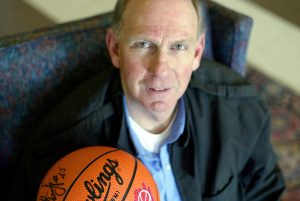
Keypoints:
pixel 159 163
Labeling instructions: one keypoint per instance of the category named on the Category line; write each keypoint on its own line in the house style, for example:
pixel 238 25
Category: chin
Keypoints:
pixel 161 106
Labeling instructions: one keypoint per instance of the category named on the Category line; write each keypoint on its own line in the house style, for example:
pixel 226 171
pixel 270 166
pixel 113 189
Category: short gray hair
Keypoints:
pixel 116 23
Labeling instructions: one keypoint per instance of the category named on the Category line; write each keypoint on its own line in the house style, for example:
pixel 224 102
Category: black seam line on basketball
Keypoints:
pixel 107 192
pixel 84 170
pixel 131 181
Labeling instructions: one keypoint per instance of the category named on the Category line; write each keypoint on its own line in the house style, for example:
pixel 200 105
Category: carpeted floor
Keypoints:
pixel 285 108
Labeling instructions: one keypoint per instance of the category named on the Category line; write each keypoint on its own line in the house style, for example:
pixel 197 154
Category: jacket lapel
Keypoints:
pixel 182 155
pixel 124 142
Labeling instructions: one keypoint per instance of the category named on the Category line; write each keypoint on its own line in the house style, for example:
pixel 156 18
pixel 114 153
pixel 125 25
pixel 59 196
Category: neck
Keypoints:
pixel 153 122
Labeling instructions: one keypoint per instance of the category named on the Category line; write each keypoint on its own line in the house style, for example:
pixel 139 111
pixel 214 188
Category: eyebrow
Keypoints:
pixel 142 38
pixel 138 38
pixel 189 41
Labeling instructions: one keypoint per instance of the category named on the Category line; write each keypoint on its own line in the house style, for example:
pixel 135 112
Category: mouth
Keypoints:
pixel 159 89
pixel 158 92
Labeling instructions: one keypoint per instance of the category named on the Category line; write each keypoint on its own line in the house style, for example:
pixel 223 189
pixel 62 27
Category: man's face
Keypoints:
pixel 156 52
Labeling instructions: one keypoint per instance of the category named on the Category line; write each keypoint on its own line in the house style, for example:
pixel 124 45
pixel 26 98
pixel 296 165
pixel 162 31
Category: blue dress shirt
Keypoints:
pixel 159 163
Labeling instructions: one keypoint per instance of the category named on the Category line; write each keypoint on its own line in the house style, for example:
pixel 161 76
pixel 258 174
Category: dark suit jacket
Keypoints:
pixel 224 154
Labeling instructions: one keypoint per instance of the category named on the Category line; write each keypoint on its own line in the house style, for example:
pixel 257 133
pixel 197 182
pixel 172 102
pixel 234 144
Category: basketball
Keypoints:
pixel 98 173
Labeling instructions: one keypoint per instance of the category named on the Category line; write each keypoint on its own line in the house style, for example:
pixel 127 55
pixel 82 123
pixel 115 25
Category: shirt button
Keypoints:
pixel 157 165
pixel 168 167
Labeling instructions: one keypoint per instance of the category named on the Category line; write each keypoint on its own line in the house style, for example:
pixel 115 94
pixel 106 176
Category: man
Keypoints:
pixel 203 133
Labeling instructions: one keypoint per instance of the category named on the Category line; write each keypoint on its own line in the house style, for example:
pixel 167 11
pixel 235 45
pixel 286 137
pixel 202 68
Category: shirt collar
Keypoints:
pixel 176 130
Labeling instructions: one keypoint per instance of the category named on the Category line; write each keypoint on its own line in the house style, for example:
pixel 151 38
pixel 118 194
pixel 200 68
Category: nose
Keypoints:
pixel 159 64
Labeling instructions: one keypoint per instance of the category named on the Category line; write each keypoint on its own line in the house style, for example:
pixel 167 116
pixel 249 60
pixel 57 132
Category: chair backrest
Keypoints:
pixel 40 67
pixel 36 74
pixel 230 33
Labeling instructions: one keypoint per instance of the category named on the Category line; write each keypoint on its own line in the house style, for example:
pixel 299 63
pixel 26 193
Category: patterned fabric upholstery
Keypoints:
pixel 37 74
pixel 38 68
pixel 230 32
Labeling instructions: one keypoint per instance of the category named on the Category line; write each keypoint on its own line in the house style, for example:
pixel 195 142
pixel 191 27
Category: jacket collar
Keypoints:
pixel 124 142
pixel 115 95
pixel 182 155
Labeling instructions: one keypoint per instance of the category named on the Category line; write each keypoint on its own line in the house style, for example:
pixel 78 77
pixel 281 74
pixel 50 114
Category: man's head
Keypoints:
pixel 120 6
pixel 156 45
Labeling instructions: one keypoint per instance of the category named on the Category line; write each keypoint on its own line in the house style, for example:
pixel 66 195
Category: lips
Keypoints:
pixel 159 89
pixel 158 92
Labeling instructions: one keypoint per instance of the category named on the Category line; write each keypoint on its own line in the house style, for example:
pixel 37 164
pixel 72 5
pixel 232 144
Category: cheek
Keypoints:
pixel 132 70
pixel 184 61
pixel 184 67
pixel 184 76
pixel 132 67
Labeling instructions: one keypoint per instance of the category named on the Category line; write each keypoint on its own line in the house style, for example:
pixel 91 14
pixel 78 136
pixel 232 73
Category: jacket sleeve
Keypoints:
pixel 262 179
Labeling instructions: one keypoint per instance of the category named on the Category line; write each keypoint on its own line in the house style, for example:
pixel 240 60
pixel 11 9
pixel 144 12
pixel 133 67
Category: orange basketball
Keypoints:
pixel 98 173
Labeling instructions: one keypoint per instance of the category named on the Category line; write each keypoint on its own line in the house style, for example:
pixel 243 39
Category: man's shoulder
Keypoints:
pixel 92 95
pixel 216 89
pixel 214 82
pixel 219 80
pixel 222 99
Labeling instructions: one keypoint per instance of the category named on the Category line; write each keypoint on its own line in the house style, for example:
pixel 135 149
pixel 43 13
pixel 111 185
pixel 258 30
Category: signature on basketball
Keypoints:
pixel 97 187
pixel 55 186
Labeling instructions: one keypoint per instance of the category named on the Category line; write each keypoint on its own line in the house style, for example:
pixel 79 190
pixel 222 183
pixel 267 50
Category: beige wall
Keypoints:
pixel 22 15
pixel 16 16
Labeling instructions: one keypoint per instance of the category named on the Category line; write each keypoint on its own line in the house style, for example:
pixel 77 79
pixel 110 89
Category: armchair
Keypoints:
pixel 39 67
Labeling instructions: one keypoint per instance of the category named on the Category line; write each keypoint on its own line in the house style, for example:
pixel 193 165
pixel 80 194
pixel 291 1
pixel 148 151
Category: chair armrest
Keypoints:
pixel 230 36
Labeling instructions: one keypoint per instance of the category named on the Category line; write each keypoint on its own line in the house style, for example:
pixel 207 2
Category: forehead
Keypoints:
pixel 155 16
pixel 153 32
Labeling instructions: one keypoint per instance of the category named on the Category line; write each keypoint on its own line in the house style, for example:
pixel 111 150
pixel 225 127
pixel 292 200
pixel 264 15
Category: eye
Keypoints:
pixel 179 47
pixel 143 44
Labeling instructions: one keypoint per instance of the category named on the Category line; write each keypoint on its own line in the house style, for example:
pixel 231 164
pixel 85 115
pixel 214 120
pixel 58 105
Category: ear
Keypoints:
pixel 199 52
pixel 113 48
